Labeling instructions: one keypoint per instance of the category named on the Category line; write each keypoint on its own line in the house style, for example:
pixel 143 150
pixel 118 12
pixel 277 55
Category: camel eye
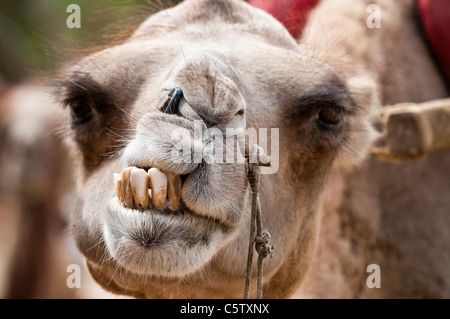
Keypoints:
pixel 329 116
pixel 80 112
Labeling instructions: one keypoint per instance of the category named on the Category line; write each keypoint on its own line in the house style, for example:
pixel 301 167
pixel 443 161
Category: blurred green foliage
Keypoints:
pixel 34 36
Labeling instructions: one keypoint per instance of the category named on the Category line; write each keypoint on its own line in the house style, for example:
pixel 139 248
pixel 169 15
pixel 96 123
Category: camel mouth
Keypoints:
pixel 155 227
pixel 162 242
pixel 148 188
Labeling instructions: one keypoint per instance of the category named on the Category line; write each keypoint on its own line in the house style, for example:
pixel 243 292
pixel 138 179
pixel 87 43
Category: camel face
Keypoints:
pixel 155 220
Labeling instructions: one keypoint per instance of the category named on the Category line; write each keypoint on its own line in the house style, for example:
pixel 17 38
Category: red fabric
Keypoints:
pixel 435 16
pixel 291 13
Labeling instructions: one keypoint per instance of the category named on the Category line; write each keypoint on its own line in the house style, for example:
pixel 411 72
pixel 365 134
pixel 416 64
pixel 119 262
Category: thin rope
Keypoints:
pixel 251 241
pixel 261 240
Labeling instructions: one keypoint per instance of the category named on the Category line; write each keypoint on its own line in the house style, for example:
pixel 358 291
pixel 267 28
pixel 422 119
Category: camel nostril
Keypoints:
pixel 173 101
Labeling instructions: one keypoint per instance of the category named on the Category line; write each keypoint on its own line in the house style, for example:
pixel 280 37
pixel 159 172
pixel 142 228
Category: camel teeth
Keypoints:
pixel 174 190
pixel 118 185
pixel 158 184
pixel 133 191
pixel 126 188
pixel 139 181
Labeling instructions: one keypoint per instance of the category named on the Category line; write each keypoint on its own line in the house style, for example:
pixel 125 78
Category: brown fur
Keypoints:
pixel 338 224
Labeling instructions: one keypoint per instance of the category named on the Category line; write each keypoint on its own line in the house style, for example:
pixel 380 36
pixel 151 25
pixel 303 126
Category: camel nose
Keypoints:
pixel 204 87
pixel 172 103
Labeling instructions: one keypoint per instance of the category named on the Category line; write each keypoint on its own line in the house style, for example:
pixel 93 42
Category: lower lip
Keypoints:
pixel 151 209
pixel 116 205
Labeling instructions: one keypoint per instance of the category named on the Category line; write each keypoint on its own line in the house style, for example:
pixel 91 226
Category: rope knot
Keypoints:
pixel 262 245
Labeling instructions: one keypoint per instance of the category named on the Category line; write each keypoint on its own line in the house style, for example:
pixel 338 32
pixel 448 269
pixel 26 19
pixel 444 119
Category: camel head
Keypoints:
pixel 159 125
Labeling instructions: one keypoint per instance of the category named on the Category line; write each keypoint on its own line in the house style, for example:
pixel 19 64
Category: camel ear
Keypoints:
pixel 364 91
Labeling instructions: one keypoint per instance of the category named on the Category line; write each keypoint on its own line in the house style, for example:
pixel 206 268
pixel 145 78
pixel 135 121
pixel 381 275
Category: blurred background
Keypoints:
pixel 34 36
pixel 36 185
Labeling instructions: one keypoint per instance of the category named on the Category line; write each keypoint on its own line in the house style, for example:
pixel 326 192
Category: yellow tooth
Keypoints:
pixel 139 181
pixel 126 188
pixel 118 185
pixel 158 182
pixel 173 190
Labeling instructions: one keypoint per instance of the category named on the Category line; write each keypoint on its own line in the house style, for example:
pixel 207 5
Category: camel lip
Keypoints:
pixel 117 206
pixel 182 211
pixel 147 242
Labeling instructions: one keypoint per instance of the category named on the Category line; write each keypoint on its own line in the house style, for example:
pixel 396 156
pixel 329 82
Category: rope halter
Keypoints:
pixel 259 239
